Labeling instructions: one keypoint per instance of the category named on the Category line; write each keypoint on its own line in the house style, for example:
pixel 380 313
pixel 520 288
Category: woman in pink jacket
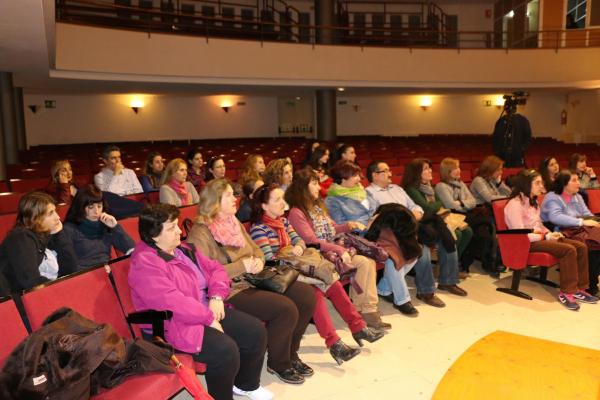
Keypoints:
pixel 166 275
pixel 523 212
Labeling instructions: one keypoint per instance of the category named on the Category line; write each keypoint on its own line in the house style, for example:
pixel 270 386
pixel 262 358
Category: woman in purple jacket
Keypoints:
pixel 166 275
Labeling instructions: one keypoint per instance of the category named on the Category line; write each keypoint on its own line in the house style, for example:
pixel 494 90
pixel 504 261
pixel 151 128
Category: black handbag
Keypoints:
pixel 274 278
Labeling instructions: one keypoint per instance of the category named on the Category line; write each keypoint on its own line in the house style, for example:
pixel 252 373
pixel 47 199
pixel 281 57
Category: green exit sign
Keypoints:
pixel 50 103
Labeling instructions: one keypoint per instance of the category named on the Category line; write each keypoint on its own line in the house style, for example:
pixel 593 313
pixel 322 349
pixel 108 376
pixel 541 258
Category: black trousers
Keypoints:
pixel 234 357
pixel 594 269
pixel 286 317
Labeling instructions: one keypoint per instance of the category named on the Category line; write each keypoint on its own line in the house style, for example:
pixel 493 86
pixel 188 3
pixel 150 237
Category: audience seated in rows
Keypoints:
pixel 456 196
pixel 219 235
pixel 174 188
pixel 92 231
pixel 523 212
pixel 168 275
pixel 277 239
pixel 417 182
pixel 309 217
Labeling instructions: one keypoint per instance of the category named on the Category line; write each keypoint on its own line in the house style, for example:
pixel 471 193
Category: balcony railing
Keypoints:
pixel 265 22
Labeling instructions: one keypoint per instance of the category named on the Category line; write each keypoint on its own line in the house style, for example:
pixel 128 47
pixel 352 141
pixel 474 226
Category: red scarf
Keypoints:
pixel 278 225
pixel 181 191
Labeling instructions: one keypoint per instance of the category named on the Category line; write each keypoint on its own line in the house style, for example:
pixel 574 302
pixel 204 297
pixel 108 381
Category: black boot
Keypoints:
pixel 341 352
pixel 369 334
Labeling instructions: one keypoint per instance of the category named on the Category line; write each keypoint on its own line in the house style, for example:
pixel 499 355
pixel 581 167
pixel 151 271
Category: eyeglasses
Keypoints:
pixel 383 170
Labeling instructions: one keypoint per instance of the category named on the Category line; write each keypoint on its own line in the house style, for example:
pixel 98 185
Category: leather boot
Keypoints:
pixel 373 320
pixel 369 334
pixel 341 352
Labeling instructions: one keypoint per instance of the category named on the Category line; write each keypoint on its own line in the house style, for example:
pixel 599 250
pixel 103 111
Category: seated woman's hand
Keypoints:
pixel 553 235
pixel 216 325
pixel 218 309
pixel 590 222
pixel 352 225
pixel 297 250
pixel 108 220
pixel 253 265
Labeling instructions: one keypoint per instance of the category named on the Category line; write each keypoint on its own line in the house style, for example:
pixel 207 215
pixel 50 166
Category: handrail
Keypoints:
pixel 101 13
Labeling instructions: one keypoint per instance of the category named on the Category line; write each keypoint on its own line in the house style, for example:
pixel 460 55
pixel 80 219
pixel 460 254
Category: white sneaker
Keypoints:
pixel 259 394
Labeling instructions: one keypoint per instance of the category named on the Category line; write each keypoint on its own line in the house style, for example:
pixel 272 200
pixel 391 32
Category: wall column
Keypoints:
pixel 20 118
pixel 7 111
pixel 326 115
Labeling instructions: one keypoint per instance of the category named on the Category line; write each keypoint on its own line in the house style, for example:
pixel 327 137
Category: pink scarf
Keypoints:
pixel 227 231
pixel 181 191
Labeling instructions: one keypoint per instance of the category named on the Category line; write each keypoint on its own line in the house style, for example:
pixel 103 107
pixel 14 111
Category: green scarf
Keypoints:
pixel 357 192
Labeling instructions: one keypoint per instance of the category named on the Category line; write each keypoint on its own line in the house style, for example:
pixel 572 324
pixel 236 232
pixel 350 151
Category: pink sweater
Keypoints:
pixel 519 214
pixel 305 230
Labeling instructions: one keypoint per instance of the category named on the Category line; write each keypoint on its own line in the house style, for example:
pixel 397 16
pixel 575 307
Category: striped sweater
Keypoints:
pixel 266 238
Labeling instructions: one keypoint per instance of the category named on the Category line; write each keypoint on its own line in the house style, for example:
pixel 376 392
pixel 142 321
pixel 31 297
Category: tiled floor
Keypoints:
pixel 409 362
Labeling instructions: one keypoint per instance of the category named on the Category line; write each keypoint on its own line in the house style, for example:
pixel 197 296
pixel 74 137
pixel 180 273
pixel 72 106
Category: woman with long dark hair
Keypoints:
pixel 153 169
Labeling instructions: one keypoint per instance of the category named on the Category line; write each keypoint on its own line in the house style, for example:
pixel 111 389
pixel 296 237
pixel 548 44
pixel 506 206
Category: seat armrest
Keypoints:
pixel 151 317
pixel 514 247
pixel 514 231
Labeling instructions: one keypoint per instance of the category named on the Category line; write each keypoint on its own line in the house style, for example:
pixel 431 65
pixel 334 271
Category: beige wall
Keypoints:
pixel 107 118
pixel 110 54
pixel 402 115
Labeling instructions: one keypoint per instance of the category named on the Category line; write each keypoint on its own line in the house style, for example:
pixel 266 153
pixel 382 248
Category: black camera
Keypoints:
pixel 511 101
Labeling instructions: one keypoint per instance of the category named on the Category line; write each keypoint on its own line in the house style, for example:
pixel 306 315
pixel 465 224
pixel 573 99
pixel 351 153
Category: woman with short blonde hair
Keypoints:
pixel 175 189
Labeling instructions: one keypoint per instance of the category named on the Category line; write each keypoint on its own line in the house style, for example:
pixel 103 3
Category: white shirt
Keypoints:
pixel 123 184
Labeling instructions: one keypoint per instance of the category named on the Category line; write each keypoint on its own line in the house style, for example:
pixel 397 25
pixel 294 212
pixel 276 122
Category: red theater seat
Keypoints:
pixel 13 330
pixel 514 247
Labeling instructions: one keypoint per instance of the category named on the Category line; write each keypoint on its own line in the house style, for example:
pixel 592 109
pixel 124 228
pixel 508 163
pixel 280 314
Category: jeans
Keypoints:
pixel 394 280
pixel 448 263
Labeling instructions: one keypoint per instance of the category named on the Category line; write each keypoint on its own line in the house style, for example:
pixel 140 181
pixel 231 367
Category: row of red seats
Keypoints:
pixel 91 294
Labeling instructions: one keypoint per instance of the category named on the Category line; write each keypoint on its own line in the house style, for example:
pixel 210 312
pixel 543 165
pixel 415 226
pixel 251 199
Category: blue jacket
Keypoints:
pixel 562 214
pixel 343 209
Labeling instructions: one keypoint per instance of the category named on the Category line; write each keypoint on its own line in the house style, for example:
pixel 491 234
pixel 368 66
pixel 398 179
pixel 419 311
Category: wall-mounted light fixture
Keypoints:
pixel 33 108
pixel 226 105
pixel 136 105
pixel 341 89
pixel 499 101
pixel 425 103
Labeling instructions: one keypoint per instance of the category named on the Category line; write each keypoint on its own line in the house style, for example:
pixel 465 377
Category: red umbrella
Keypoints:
pixel 188 378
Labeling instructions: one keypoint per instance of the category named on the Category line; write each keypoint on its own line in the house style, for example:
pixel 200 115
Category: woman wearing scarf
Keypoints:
pixel 416 181
pixel 218 234
pixel 175 189
pixel 61 186
pixel 488 186
pixel 456 196
pixel 276 238
pixel 309 217
pixel 346 198
pixel 92 231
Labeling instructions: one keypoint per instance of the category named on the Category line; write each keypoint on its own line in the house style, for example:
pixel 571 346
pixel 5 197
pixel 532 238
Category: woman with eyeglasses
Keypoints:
pixel 523 212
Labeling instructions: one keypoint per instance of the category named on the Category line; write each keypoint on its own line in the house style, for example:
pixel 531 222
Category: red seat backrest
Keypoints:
pixel 594 200
pixel 190 212
pixel 26 185
pixel 89 293
pixel 7 221
pixel 130 225
pixel 498 207
pixel 13 330
pixel 9 202
pixel 120 271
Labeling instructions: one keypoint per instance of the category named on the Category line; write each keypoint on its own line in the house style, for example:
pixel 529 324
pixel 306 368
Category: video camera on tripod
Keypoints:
pixel 511 101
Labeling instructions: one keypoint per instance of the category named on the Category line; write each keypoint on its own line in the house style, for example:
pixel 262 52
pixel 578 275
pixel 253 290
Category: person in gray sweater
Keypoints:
pixel 488 185
pixel 92 231
pixel 174 187
pixel 453 192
